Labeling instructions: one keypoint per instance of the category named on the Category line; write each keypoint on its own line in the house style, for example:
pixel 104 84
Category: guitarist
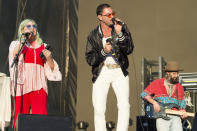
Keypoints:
pixel 167 90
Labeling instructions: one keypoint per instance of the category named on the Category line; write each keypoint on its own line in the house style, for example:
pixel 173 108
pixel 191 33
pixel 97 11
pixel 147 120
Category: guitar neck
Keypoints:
pixel 169 111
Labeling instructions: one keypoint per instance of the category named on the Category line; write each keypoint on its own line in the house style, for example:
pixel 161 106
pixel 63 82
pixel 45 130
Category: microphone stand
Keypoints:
pixel 15 61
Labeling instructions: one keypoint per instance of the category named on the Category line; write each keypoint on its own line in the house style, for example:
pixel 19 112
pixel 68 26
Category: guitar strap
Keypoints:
pixel 177 96
pixel 170 90
pixel 177 93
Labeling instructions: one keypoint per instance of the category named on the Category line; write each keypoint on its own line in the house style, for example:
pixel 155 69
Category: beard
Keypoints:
pixel 174 80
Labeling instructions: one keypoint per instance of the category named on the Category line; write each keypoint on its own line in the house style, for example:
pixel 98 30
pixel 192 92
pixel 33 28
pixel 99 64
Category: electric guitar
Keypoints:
pixel 164 110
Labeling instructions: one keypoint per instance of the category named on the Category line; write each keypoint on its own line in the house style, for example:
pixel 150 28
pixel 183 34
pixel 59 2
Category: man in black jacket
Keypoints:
pixel 106 51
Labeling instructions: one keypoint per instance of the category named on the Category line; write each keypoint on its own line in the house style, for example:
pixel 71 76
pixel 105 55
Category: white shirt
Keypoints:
pixel 109 59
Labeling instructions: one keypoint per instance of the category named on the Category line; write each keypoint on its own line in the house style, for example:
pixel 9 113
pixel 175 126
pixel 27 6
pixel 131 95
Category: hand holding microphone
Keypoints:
pixel 117 21
pixel 46 53
pixel 117 25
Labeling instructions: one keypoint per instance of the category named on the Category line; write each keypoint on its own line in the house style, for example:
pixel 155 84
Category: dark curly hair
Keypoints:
pixel 100 8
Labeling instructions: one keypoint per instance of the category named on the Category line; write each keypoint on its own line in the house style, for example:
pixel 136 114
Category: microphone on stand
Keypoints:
pixel 26 34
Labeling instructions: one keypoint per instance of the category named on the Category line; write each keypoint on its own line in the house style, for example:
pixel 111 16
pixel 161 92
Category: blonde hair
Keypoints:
pixel 23 24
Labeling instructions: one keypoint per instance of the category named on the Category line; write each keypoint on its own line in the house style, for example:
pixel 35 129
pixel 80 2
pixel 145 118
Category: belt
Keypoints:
pixel 112 66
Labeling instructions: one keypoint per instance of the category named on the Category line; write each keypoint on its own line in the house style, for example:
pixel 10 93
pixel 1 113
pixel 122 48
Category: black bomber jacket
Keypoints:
pixel 95 55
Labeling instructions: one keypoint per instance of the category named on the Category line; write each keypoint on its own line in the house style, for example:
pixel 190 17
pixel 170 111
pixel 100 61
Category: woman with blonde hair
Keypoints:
pixel 30 89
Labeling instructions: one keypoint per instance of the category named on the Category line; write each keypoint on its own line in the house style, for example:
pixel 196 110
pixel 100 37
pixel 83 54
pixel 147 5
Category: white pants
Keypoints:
pixel 120 85
pixel 174 124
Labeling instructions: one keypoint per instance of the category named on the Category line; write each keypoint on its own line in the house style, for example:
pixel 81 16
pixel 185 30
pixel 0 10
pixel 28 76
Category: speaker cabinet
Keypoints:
pixel 30 122
pixel 145 124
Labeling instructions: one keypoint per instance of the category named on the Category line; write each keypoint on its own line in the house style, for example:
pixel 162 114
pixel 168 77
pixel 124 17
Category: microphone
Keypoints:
pixel 26 34
pixel 48 47
pixel 118 22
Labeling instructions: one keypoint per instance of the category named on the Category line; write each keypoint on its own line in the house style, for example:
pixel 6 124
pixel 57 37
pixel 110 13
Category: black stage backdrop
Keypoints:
pixel 58 26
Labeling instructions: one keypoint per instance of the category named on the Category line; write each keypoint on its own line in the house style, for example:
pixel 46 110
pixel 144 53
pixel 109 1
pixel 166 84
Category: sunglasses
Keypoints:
pixel 110 15
pixel 33 26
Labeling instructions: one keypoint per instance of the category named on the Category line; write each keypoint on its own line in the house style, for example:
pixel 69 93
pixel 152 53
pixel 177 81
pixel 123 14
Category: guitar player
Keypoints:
pixel 167 90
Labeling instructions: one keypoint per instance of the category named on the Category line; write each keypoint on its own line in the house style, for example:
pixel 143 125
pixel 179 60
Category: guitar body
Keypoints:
pixel 149 109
